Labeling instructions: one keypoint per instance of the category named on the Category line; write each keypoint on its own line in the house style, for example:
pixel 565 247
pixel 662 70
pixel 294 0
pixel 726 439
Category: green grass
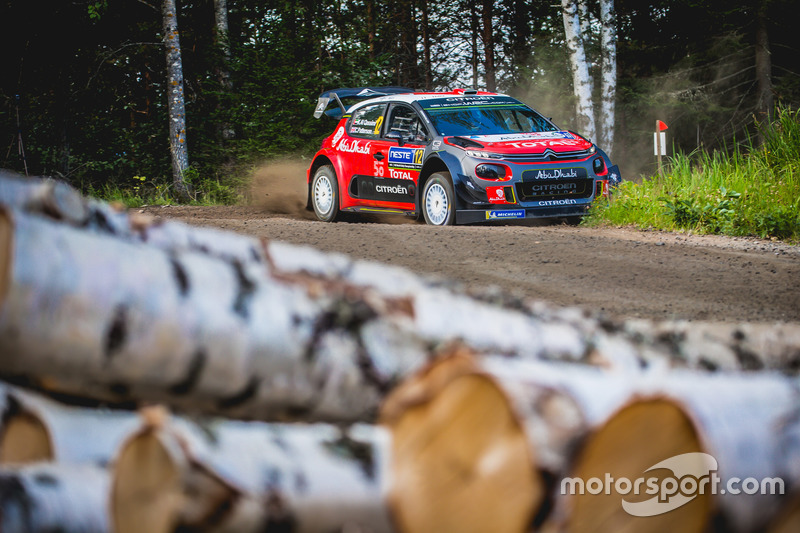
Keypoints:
pixel 140 191
pixel 752 192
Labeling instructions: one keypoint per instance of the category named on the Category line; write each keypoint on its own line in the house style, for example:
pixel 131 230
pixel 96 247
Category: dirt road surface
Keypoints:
pixel 624 273
pixel 619 272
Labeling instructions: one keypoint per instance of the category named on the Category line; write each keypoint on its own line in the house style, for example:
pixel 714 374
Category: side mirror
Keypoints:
pixel 396 135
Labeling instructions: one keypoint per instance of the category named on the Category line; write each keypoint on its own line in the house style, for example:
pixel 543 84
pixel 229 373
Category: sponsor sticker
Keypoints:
pixel 338 135
pixel 565 201
pixel 497 195
pixel 353 147
pixel 554 173
pixel 505 213
pixel 406 158
pixel 533 136
pixel 436 145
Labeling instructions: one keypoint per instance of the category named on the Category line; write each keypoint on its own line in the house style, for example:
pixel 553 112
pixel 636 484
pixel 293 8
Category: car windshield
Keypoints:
pixel 483 115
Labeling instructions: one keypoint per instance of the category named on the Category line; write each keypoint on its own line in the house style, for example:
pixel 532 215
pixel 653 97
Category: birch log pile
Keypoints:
pixel 124 321
pixel 239 476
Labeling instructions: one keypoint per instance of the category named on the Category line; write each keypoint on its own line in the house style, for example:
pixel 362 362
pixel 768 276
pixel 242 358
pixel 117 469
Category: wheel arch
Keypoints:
pixel 442 162
pixel 319 161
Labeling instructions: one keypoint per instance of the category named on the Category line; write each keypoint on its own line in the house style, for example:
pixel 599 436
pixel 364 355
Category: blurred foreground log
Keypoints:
pixel 37 429
pixel 475 432
pixel 238 476
pixel 48 497
pixel 743 429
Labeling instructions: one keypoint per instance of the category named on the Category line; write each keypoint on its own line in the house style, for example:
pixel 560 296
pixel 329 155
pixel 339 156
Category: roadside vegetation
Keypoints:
pixel 748 190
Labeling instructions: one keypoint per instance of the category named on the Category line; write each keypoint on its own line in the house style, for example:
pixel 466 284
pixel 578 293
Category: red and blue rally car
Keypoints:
pixel 455 157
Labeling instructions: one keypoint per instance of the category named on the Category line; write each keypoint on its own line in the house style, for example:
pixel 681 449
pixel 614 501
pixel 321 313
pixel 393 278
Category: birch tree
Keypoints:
pixel 223 72
pixel 608 83
pixel 582 82
pixel 177 112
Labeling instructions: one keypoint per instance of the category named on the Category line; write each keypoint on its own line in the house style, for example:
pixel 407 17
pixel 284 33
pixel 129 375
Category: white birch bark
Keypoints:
pixel 581 80
pixel 39 429
pixel 175 100
pixel 608 85
pixel 47 497
pixel 234 476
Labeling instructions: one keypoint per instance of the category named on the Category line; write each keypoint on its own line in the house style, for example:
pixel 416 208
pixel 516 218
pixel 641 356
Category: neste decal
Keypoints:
pixel 407 158
pixel 505 213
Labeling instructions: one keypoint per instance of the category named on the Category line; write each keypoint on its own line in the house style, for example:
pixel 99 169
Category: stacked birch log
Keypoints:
pixel 161 377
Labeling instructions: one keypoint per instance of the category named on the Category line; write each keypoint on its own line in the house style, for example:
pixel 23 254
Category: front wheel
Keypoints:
pixel 437 200
pixel 325 194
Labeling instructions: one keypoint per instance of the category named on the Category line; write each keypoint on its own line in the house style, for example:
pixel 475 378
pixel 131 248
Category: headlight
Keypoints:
pixel 483 155
pixel 490 172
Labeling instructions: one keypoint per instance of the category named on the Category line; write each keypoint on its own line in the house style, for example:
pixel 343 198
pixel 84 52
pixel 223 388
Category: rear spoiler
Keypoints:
pixel 356 93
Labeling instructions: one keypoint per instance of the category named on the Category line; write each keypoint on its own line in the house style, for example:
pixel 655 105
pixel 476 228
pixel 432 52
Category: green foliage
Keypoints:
pixel 740 193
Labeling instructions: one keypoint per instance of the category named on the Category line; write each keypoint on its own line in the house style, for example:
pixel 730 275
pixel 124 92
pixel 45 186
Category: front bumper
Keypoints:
pixel 473 216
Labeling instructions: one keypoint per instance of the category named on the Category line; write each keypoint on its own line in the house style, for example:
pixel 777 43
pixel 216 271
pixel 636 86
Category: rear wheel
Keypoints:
pixel 437 200
pixel 325 194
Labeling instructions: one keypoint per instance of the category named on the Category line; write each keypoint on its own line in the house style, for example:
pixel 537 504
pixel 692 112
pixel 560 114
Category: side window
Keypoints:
pixel 405 121
pixel 367 121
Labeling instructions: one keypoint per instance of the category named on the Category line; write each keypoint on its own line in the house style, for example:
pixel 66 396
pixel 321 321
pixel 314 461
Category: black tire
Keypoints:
pixel 573 221
pixel 436 202
pixel 325 194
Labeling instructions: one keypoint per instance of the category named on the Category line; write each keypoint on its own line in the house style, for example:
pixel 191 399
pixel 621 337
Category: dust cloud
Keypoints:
pixel 280 187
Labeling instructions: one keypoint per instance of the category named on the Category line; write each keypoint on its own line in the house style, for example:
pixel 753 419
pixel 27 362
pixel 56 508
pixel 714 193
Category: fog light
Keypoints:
pixel 490 172
pixel 599 166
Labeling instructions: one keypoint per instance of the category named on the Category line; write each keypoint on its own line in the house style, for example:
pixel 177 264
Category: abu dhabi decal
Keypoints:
pixel 554 173
pixel 498 195
pixel 353 147
pixel 406 158
pixel 505 213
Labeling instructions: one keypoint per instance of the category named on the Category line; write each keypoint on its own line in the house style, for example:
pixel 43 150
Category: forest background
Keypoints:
pixel 85 84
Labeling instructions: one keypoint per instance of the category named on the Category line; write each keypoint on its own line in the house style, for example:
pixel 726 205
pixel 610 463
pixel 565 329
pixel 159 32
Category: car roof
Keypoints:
pixel 416 97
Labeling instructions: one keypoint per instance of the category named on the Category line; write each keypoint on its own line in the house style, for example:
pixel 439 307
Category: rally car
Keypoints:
pixel 455 157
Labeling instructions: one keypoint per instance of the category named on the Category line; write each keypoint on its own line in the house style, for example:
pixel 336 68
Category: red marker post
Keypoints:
pixel 660 143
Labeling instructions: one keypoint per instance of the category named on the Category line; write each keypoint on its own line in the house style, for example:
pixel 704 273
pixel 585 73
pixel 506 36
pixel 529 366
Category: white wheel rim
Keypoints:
pixel 436 204
pixel 323 195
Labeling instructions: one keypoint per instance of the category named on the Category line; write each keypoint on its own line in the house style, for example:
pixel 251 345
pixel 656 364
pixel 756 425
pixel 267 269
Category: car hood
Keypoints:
pixel 532 143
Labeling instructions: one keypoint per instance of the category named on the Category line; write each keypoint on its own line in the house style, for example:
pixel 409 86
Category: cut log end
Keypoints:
pixel 457 455
pixel 788 521
pixel 6 253
pixel 636 438
pixel 24 440
pixel 146 493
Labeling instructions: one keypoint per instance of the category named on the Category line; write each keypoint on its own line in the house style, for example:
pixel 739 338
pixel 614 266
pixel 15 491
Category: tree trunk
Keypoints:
pixel 488 45
pixel 473 27
pixel 38 429
pixel 581 81
pixel 223 73
pixel 177 111
pixel 45 497
pixel 232 476
pixel 766 103
pixel 747 424
pixel 608 85
pixel 426 46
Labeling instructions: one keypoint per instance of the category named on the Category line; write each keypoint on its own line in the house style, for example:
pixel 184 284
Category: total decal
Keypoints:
pixel 406 158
